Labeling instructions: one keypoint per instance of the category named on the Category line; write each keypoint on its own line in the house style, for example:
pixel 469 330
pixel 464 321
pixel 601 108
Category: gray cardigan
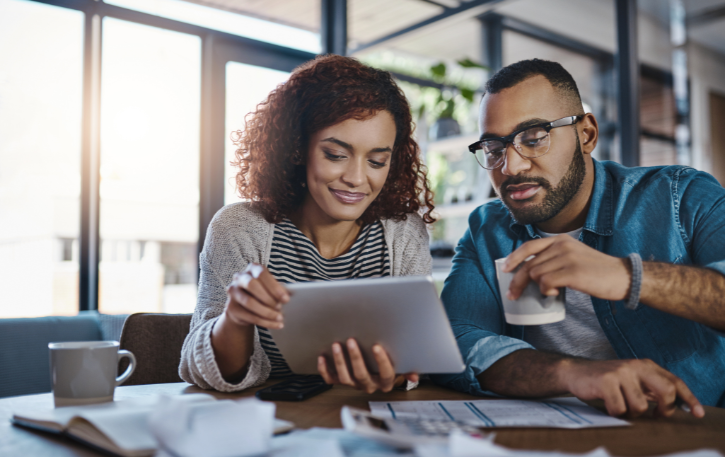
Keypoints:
pixel 239 235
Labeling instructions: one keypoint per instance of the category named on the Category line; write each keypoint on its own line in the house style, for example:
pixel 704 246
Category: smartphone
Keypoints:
pixel 295 389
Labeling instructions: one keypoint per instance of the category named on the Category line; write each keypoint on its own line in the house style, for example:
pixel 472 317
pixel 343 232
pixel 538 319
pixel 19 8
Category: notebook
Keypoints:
pixel 118 427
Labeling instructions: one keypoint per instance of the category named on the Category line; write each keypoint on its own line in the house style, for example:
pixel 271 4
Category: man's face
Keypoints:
pixel 534 190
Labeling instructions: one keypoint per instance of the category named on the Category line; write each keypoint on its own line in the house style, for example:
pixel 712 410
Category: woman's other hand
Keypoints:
pixel 359 377
pixel 255 297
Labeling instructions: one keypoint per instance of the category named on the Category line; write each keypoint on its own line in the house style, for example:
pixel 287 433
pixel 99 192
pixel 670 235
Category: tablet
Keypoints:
pixel 403 314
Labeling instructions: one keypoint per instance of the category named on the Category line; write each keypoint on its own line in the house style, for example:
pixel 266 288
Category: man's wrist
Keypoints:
pixel 563 370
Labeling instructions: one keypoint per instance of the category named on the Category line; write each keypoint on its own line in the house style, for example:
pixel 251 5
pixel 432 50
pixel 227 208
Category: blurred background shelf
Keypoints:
pixel 453 145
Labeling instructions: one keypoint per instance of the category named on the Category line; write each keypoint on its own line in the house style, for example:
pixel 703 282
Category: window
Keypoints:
pixel 247 86
pixel 150 140
pixel 41 77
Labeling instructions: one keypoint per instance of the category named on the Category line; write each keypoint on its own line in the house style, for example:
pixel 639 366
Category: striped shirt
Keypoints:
pixel 294 258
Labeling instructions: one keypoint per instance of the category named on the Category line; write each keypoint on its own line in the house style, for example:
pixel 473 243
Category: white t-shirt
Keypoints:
pixel 580 333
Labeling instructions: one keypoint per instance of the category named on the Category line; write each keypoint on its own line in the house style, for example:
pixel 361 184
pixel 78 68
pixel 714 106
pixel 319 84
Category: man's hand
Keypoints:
pixel 626 386
pixel 562 261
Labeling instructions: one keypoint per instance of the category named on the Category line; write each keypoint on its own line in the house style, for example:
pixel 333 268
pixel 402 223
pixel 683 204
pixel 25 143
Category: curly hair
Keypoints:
pixel 272 149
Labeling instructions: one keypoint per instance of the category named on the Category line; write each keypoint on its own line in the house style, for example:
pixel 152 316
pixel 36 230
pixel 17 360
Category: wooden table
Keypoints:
pixel 647 436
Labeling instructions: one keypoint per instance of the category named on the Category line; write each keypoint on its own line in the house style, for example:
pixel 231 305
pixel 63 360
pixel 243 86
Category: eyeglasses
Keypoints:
pixel 529 142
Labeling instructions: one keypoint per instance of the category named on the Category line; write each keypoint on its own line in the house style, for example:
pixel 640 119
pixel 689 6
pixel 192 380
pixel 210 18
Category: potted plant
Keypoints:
pixel 445 124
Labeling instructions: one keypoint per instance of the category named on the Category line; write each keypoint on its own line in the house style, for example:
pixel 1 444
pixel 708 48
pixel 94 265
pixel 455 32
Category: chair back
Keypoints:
pixel 155 340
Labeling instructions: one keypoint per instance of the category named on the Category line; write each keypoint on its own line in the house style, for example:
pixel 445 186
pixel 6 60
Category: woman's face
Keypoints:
pixel 348 164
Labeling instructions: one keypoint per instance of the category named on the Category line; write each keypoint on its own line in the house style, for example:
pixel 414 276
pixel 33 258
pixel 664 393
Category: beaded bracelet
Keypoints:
pixel 636 287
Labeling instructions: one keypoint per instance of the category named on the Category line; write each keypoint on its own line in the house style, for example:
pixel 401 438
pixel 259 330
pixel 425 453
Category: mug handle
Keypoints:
pixel 131 366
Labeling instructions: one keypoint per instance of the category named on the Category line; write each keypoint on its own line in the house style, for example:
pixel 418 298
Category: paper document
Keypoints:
pixel 461 445
pixel 554 413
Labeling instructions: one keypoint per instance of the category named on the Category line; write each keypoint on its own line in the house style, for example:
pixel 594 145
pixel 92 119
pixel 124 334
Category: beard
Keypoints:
pixel 555 199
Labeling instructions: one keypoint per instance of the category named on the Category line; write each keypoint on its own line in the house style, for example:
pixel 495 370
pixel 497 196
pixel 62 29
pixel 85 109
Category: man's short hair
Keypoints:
pixel 515 73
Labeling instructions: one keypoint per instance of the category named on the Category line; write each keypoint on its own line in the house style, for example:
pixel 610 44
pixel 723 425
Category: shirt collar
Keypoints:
pixel 599 218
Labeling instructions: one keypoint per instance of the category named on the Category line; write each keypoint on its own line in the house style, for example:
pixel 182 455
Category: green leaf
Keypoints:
pixel 438 70
pixel 468 63
pixel 421 111
pixel 448 109
pixel 467 94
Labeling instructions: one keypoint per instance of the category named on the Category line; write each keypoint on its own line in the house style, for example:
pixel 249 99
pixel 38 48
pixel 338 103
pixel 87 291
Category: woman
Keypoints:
pixel 335 182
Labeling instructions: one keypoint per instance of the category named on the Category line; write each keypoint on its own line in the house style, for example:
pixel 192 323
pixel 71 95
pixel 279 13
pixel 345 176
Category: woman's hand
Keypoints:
pixel 360 378
pixel 255 297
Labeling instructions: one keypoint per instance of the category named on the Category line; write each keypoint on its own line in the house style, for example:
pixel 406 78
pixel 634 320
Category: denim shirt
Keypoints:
pixel 668 214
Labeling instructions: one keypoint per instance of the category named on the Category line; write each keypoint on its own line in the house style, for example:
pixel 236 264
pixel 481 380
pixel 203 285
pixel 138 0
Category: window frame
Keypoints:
pixel 217 48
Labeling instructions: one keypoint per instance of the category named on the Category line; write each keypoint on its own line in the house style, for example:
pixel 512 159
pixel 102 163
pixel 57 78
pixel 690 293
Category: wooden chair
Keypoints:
pixel 155 340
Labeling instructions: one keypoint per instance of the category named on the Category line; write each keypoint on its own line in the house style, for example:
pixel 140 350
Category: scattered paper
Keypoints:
pixel 462 445
pixel 306 446
pixel 223 428
pixel 350 444
pixel 554 413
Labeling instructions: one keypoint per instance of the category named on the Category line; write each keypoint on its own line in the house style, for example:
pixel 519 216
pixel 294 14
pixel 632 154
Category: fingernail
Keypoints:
pixel 279 317
pixel 509 295
pixel 377 349
pixel 350 344
pixel 285 297
pixel 281 325
pixel 699 411
pixel 321 360
pixel 336 348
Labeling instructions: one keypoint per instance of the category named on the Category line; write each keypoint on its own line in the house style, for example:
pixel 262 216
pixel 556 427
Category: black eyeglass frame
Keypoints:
pixel 509 139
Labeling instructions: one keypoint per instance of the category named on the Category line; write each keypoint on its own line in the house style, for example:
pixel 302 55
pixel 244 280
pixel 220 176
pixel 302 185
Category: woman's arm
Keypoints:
pixel 227 251
pixel 198 359
pixel 254 298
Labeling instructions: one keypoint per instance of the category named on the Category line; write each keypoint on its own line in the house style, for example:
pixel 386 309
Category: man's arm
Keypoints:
pixel 691 292
pixel 694 293
pixel 626 386
pixel 474 313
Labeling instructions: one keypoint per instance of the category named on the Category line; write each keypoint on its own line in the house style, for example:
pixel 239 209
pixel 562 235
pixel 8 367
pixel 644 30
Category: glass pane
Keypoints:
pixel 41 95
pixel 150 104
pixel 247 86
pixel 292 24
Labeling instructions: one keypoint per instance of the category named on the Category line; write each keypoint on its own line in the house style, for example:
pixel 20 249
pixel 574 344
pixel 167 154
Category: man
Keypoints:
pixel 640 251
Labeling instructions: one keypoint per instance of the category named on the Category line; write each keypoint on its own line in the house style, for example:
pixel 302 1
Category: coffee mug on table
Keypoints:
pixel 532 307
pixel 84 372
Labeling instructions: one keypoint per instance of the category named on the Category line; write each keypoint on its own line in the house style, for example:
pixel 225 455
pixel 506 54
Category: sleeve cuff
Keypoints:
pixel 205 362
pixel 486 352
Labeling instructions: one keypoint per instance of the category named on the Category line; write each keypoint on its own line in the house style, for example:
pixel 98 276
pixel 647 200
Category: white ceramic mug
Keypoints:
pixel 532 307
pixel 84 372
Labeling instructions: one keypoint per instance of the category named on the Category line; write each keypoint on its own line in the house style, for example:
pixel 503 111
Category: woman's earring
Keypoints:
pixel 304 184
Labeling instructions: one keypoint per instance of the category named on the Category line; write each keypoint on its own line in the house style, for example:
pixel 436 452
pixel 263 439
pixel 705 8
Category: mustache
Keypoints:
pixel 518 179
